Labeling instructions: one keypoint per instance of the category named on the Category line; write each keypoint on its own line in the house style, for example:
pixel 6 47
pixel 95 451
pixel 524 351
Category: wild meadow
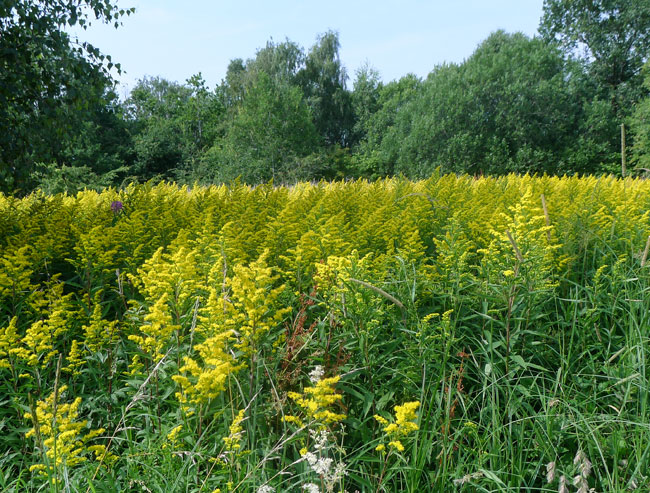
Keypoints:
pixel 452 334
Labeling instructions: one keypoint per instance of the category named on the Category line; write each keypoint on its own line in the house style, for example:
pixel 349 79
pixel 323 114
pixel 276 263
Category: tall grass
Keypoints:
pixel 446 335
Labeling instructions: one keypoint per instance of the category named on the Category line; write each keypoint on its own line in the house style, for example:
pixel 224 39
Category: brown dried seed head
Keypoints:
pixel 550 472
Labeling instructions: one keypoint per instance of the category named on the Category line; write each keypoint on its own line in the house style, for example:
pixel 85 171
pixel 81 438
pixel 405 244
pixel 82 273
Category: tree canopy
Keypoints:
pixel 270 130
pixel 508 107
pixel 48 81
pixel 611 36
pixel 552 103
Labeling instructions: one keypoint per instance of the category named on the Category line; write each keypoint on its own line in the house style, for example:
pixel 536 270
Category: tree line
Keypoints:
pixel 552 103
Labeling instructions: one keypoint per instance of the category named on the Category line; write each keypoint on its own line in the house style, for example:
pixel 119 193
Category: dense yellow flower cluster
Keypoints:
pixel 520 242
pixel 207 274
pixel 63 439
pixel 204 377
pixel 99 332
pixel 74 360
pixel 447 223
pixel 9 340
pixel 169 282
pixel 238 319
pixel 173 439
pixel 56 314
pixel 317 400
pixel 15 274
pixel 254 308
pixel 403 425
pixel 233 440
pixel 94 255
pixel 157 330
pixel 174 274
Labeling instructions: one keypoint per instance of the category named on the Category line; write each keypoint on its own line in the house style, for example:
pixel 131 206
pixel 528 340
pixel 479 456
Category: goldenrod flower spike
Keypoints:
pixel 403 425
pixel 63 438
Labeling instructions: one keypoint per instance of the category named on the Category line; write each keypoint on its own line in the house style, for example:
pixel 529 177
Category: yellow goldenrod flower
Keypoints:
pixel 396 444
pixel 56 312
pixel 100 333
pixel 233 440
pixel 293 419
pixel 74 360
pixel 403 425
pixel 405 418
pixel 254 308
pixel 173 438
pixel 15 273
pixel 315 400
pixel 64 439
pixel 9 344
pixel 157 333
pixel 205 378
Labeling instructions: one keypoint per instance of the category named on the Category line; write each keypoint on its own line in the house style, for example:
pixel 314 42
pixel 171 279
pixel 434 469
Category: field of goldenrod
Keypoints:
pixel 450 334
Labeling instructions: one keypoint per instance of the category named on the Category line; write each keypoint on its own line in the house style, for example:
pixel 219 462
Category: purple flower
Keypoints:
pixel 117 206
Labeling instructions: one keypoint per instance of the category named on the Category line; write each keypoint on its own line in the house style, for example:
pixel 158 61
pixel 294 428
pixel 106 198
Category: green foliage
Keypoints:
pixel 509 107
pixel 381 147
pixel 53 178
pixel 612 38
pixel 549 104
pixel 270 130
pixel 47 80
pixel 155 107
pixel 280 61
pixel 365 101
pixel 613 35
pixel 640 124
pixel 359 336
pixel 203 115
pixel 102 142
pixel 323 81
pixel 172 124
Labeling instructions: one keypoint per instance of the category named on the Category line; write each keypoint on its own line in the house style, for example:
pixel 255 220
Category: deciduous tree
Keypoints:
pixel 44 74
pixel 611 36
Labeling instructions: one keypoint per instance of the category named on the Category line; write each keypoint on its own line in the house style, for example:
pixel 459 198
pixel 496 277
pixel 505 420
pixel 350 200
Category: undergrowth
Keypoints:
pixel 452 334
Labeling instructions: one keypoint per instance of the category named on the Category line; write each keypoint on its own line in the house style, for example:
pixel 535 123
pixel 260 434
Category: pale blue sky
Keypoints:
pixel 178 38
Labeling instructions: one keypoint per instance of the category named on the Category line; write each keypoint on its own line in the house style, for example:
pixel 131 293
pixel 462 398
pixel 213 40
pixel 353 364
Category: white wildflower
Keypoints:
pixel 316 375
pixel 310 457
pixel 339 472
pixel 322 466
pixel 265 488
pixel 321 439
pixel 311 488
